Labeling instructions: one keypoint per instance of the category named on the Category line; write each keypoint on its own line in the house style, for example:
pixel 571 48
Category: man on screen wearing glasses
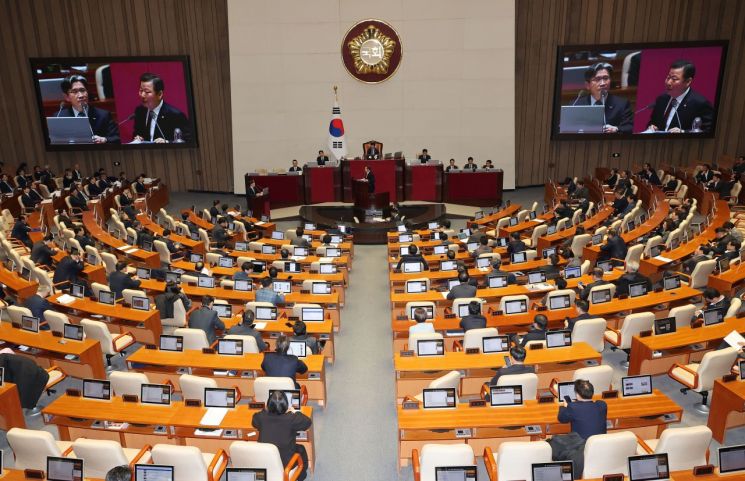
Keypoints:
pixel 155 120
pixel 681 108
pixel 618 115
pixel 75 89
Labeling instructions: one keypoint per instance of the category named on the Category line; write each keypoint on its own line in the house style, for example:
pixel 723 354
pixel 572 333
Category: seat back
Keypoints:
pixel 634 254
pixel 528 381
pixel 590 331
pixel 652 242
pixel 734 307
pixel 264 384
pixel 449 380
pixel 473 338
pixel 163 253
pixel 685 447
pixel 252 305
pixel 192 387
pixel 683 315
pixel 187 461
pixel 505 299
pixel 700 274
pixel 249 342
pixel 195 339
pixel 205 238
pixel 99 456
pixel 601 287
pixel 128 294
pixel 538 232
pixel 423 304
pixel 714 365
pixel 515 458
pixel 562 292
pixel 98 287
pixel 599 376
pixel 250 454
pixel 415 337
pixel 98 331
pixel 443 455
pixel 579 242
pixel 56 320
pixel 633 324
pixel 608 453
pixel 109 262
pixel 464 301
pixel 297 309
pixel 127 383
pixel 16 313
pixel 585 267
pixel 31 448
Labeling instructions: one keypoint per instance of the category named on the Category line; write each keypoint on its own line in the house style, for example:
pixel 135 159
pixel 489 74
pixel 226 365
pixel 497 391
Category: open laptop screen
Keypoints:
pixel 223 310
pixel 664 326
pixel 558 471
pixel 311 314
pixel 648 467
pixel 601 296
pixel 438 398
pixel 64 469
pixel 266 313
pixel 497 281
pixel 506 395
pixel 415 287
pixel 732 459
pixel 559 302
pixel 171 343
pixel 572 272
pixel 153 472
pixel 230 347
pixel 558 339
pixel 536 277
pixel 456 473
pixel 636 385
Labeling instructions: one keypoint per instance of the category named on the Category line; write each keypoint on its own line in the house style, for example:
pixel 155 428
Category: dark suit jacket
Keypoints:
pixel 27 376
pixel 624 184
pixel 37 305
pixel 611 181
pixel 516 246
pixel 278 365
pixel 101 123
pixel 462 290
pixel 322 160
pixel 615 248
pixel 473 322
pixel 617 112
pixel 206 319
pixel 533 335
pixel 581 193
pixel 118 281
pixel 623 282
pixel 511 279
pixel 370 182
pixel 67 270
pixel 584 294
pixel 587 418
pixel 619 205
pixel 281 430
pixel 705 177
pixel 693 105
pixel 572 321
pixel 6 188
pixel 41 254
pixel 372 153
pixel 722 188
pixel 424 158
pixel 78 201
pixel 414 258
pixel 247 330
pixel 20 231
pixel 169 119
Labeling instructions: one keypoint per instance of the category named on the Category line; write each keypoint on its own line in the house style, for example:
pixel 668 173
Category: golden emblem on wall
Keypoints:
pixel 371 51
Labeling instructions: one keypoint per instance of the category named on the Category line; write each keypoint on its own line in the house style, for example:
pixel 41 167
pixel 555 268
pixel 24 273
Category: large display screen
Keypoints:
pixel 115 102
pixel 638 90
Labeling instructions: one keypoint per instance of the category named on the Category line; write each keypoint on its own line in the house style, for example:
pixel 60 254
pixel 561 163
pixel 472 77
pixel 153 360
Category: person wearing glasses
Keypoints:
pixel 678 109
pixel 75 90
pixel 618 115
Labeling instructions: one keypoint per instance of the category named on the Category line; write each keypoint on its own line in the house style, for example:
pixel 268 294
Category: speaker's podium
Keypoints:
pixel 259 205
pixel 369 204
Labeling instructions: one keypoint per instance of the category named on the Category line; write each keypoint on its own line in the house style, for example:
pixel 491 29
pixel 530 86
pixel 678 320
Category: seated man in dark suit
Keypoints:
pixel 649 174
pixel 517 358
pixel 623 184
pixel 120 280
pixel 496 271
pixel 412 256
pixel 515 244
pixel 37 305
pixel 77 199
pixel 731 252
pixel 620 203
pixel 611 181
pixel 322 158
pixel 155 120
pixel 281 364
pixel 537 331
pixel 632 276
pixel 677 109
pixel 582 192
pixel 563 211
pixel 721 187
pixel 597 279
pixel 205 318
pixel 67 270
pixel 246 327
pixel 83 239
pixel 618 115
pixel 586 416
pixel 372 152
pixel 722 238
pixel 614 248
pixel 474 319
pixel 703 253
pixel 75 90
pixel 21 230
pixel 28 201
pixel 552 270
pixel 43 251
pixel 582 308
pixel 220 232
pixel 464 289
pixel 424 157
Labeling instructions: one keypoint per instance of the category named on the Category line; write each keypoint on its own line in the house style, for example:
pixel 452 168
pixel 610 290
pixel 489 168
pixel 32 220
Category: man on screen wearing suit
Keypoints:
pixel 618 115
pixel 75 89
pixel 372 153
pixel 155 120
pixel 676 109
pixel 370 178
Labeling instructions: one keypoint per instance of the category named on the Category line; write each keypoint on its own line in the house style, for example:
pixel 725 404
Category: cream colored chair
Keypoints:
pixel 192 387
pixel 685 447
pixel 178 320
pixel 585 267
pixel 528 381
pixel 700 274
pixel 538 232
pixel 439 455
pixel 559 293
pixel 683 315
pixel 608 453
pixel 127 383
pixel 591 331
pixel 16 313
pixel 415 337
pixel 109 262
pixel 578 244
pixel 531 254
pixel 163 253
pixel 297 309
pixel 128 294
pixel 505 299
pixel 632 325
pixel 97 288
pixel 600 376
pixel 190 464
pixel 601 287
pixel 449 380
pixel 100 455
pixel 410 306
pixel 264 384
pixel 249 342
pixel 465 301
pixel 634 255
pixel 515 459
pixel 250 454
pixel 56 320
pixel 734 307
pixel 474 338
pixel 194 339
pixel 652 242
pixel 31 448
pixel 700 377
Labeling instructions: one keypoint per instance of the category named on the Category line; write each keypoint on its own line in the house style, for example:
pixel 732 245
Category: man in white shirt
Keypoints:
pixel 155 120
pixel 420 316
pixel 676 110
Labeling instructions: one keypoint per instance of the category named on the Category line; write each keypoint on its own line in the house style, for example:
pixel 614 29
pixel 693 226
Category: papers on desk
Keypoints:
pixel 662 259
pixel 445 294
pixel 260 325
pixel 326 259
pixel 115 426
pixel 213 416
pixel 259 222
pixel 539 221
pixel 541 286
pixel 735 340
pixel 66 299
pixel 297 258
pixel 208 432
pixel 127 249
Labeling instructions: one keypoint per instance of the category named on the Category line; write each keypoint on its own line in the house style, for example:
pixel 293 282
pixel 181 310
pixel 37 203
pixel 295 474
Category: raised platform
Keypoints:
pixel 370 232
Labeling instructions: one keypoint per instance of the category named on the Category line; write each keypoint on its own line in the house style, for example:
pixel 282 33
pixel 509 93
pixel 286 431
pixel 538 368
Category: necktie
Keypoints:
pixel 149 123
pixel 670 108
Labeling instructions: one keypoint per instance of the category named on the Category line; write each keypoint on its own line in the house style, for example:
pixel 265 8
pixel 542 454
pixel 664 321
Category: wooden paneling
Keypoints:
pixel 69 28
pixel 543 25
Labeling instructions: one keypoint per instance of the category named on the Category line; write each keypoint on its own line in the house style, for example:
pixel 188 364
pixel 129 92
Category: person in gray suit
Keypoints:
pixel 206 319
pixel 246 328
pixel 299 240
pixel 464 289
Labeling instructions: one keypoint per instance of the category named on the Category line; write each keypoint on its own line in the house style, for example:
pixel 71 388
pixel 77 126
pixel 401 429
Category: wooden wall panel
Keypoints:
pixel 543 25
pixel 68 28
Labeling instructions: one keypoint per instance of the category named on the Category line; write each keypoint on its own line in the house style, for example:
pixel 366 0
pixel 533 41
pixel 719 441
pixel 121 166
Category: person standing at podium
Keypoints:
pixel 370 179
pixel 322 158
pixel 253 190
pixel 425 157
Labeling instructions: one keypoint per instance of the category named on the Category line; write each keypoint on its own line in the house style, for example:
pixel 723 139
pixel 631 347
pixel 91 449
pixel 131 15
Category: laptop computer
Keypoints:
pixel 230 347
pixel 171 343
pixel 649 467
pixel 636 385
pixel 97 389
pixel 493 344
pixel 51 89
pixel 69 130
pixel 153 472
pixel 582 119
pixel 456 473
pixel 505 395
pixel 430 347
pixel 245 474
pixel 219 397
pixel 64 469
pixel 556 471
pixel 732 459
pixel 438 398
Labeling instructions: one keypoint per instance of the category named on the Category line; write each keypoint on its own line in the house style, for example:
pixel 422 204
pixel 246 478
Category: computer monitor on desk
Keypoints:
pixel 495 344
pixel 732 459
pixel 557 471
pixel 153 472
pixel 409 267
pixel 97 389
pixel 428 309
pixel 245 474
pixel 64 469
pixel 266 313
pixel 230 347
pixel 495 282
pixel 558 339
pixel 601 296
pixel 171 343
pixel 438 398
pixel 505 395
pixel 416 287
pixel 219 398
pixel 430 347
pixel 518 306
pixel 566 389
pixel 518 257
pixel 649 467
pixel 636 385
pixel 456 473
pixel 536 277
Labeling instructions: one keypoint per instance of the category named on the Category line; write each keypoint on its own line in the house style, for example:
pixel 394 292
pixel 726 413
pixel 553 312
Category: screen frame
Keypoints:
pixel 558 74
pixel 36 62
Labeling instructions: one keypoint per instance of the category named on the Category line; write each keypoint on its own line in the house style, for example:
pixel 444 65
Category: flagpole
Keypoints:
pixel 336 97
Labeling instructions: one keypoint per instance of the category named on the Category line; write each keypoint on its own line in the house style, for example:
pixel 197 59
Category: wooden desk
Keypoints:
pixel 590 225
pixel 490 426
pixel 727 408
pixel 728 282
pixel 645 302
pixel 492 219
pixel 526 225
pixel 51 352
pixel 17 285
pixel 150 259
pixel 18 475
pixel 145 326
pixel 194 246
pixel 340 278
pixel 163 365
pixel 265 227
pixel 78 417
pixel 91 272
pixel 677 347
pixel 414 373
pixel 11 415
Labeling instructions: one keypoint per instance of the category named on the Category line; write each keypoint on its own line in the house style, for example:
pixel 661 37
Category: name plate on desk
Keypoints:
pixel 130 398
pixel 613 477
pixel 33 474
pixel 647 333
pixel 208 350
pixel 450 316
pixel 473 350
pixel 408 353
pixel 73 392
pixel 729 377
pixel 476 403
pixel 609 394
pixel 402 318
pixel 193 403
pixel 545 398
pixel 463 433
pixel 535 347
pixel 255 405
pixel 410 404
pixel 703 470
pixel 314 375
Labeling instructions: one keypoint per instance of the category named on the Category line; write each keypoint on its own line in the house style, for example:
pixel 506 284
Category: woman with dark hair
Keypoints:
pixel 279 427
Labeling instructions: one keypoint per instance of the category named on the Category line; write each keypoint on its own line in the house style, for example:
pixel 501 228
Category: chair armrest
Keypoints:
pixel 52 369
pixel 120 336
pixel 484 390
pixel 683 275
pixel 489 464
pixel 552 386
pixel 214 472
pixel 146 448
pixel 457 346
pixel 622 261
pixel 415 466
pixel 296 462
pixel 688 370
pixel 238 393
pixel 303 395
pixel 67 452
pixel 644 445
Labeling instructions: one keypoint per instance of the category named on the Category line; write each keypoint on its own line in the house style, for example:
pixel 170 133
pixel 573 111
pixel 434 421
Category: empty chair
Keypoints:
pixel 599 376
pixel 415 337
pixel 528 381
pixel 190 464
pixel 683 315
pixel 514 459
pixel 634 255
pixel 700 274
pixel 195 339
pixel 250 454
pixel 249 342
pixel 633 324
pixel 591 331
pixel 110 345
pixel 127 383
pixel 192 387
pixel 608 453
pixel 128 294
pixel 252 305
pixel 449 380
pixel 505 299
pixel 473 338
pixel 31 448
pixel 734 307
pixel 97 288
pixel 439 455
pixel 100 455
pixel 538 232
pixel 264 384
pixel 579 242
pixel 685 447
pixel 16 313
pixel 585 267
pixel 652 242
pixel 700 377
pixel 163 253
pixel 522 216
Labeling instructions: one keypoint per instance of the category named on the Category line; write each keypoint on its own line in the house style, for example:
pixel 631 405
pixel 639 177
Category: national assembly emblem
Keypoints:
pixel 371 51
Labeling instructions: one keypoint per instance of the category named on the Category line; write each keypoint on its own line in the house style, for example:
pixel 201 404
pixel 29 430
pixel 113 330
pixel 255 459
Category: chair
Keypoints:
pixel 449 380
pixel 514 459
pixel 190 464
pixel 601 287
pixel 465 301
pixel 505 299
pixel 264 384
pixel 634 255
pixel 192 387
pixel 531 255
pixel 561 292
pixel 297 309
pixel 585 267
pixel 250 454
pixel 522 215
pixel 474 337
pixel 591 331
pixel 700 377
pixel 162 249
pixel 599 376
pixel 97 288
pixel 249 342
pixel 56 320
pixel 683 315
pixel 608 453
pixel 128 294
pixel 734 307
pixel 109 262
pixel 194 339
pixel 528 381
pixel 685 447
pixel 127 383
pixel 439 455
pixel 252 305
pixel 31 448
pixel 110 346
pixel 100 455
pixel 561 224
pixel 422 304
pixel 538 232
pixel 169 324
pixel 415 337
pixel 700 275
pixel 16 313
pixel 632 325
pixel 579 242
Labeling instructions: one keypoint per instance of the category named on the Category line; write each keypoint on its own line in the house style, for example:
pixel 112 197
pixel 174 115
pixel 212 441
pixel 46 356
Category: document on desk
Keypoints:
pixel 662 259
pixel 259 222
pixel 445 294
pixel 326 259
pixel 260 325
pixel 735 340
pixel 213 416
pixel 208 432
pixel 66 299
pixel 539 221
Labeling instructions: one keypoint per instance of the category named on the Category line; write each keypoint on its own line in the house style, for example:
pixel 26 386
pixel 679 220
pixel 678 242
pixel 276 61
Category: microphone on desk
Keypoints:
pixel 161 132
pixel 645 108
pixel 578 96
pixel 126 120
